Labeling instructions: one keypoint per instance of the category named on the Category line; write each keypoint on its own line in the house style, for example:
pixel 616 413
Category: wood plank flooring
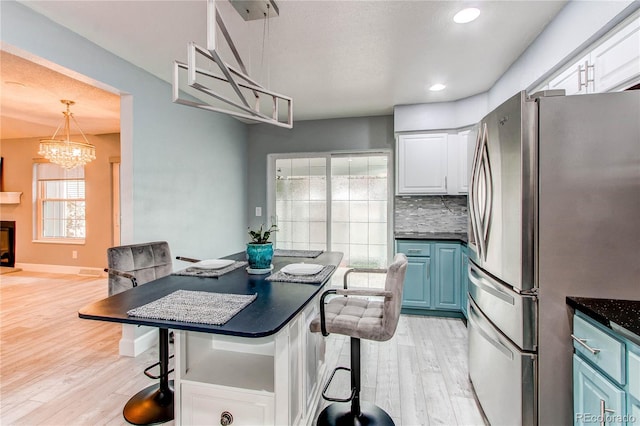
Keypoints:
pixel 56 369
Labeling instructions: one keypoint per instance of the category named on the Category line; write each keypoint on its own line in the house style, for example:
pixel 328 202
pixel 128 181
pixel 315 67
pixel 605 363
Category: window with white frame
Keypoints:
pixel 60 205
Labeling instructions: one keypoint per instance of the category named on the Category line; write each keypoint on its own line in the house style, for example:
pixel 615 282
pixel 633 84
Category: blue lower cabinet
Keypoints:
pixel 633 384
pixel 447 272
pixel 417 283
pixel 606 379
pixel 464 281
pixel 633 415
pixel 595 398
pixel 433 281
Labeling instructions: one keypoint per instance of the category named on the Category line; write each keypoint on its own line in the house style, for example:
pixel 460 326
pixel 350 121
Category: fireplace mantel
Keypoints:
pixel 10 197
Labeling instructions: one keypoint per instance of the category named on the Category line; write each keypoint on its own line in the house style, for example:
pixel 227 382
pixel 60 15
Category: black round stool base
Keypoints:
pixel 150 406
pixel 339 413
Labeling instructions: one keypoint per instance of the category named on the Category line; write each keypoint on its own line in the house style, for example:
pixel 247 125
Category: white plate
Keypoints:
pixel 302 269
pixel 213 264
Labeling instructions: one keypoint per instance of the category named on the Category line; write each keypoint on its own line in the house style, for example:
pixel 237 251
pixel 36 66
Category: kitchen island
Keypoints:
pixel 263 366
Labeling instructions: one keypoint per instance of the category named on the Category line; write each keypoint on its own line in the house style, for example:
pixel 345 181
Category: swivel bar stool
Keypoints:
pixel 360 318
pixel 131 266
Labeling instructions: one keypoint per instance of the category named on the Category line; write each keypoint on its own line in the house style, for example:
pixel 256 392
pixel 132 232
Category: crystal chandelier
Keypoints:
pixel 64 152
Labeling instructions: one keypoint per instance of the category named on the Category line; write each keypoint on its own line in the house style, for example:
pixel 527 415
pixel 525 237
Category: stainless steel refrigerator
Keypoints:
pixel 554 203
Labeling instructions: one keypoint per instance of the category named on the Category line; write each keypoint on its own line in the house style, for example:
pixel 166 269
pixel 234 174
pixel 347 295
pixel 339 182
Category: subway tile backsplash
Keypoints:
pixel 447 213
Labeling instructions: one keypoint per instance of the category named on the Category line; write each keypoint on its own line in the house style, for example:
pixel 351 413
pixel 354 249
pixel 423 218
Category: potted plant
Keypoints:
pixel 260 250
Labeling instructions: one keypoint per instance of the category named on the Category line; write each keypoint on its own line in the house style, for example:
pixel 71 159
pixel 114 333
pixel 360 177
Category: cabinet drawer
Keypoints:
pixel 610 352
pixel 414 248
pixel 634 375
pixel 204 404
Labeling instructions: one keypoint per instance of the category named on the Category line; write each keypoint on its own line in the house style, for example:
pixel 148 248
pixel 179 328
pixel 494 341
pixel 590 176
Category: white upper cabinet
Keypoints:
pixel 466 143
pixel 571 80
pixel 421 165
pixel 434 163
pixel 613 64
pixel 617 60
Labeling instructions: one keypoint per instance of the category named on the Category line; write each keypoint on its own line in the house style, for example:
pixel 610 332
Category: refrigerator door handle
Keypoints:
pixel 488 335
pixel 481 200
pixel 488 286
pixel 488 192
pixel 473 196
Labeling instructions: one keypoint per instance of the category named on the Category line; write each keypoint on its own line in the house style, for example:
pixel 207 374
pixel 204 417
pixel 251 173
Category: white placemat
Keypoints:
pixel 195 306
pixel 210 273
pixel 297 253
pixel 303 279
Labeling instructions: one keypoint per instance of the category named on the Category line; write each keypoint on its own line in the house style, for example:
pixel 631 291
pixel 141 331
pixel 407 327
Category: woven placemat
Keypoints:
pixel 297 253
pixel 318 278
pixel 195 306
pixel 210 273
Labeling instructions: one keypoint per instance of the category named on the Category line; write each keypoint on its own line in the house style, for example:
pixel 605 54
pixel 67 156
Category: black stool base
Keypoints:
pixel 339 414
pixel 150 406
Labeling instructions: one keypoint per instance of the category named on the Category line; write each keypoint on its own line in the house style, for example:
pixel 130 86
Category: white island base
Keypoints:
pixel 273 380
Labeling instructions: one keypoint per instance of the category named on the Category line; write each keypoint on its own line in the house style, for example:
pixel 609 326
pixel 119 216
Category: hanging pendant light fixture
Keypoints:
pixel 64 152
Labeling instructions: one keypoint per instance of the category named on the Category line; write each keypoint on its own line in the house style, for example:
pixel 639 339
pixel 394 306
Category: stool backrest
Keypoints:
pixel 394 283
pixel 147 262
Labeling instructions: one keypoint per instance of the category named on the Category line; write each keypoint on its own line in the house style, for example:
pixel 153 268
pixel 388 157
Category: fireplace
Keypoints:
pixel 8 243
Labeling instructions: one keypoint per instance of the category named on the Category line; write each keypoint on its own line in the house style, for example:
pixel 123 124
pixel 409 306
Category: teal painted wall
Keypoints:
pixel 184 175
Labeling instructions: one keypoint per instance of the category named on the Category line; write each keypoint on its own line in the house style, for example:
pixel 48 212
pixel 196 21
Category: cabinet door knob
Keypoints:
pixel 226 418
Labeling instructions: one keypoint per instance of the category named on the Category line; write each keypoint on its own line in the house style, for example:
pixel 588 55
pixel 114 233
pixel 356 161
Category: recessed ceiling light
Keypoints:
pixel 466 15
pixel 437 87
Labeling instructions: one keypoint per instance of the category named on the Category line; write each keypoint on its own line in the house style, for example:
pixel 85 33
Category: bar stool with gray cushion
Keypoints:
pixel 131 266
pixel 137 264
pixel 360 318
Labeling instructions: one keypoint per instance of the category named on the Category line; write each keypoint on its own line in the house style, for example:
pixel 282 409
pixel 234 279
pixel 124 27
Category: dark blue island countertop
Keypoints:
pixel 276 303
pixel 621 316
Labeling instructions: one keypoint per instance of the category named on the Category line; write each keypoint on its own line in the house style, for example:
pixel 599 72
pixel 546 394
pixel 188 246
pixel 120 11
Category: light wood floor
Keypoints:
pixel 56 369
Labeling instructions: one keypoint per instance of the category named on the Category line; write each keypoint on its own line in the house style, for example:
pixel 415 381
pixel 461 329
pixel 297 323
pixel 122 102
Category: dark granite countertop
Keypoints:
pixel 459 236
pixel 622 316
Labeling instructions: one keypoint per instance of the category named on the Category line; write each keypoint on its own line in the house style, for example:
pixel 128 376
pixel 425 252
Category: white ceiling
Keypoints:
pixel 30 105
pixel 334 58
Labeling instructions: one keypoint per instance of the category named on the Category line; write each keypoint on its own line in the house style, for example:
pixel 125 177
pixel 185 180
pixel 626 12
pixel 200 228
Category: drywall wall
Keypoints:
pixel 18 160
pixel 344 134
pixel 441 115
pixel 577 25
pixel 183 169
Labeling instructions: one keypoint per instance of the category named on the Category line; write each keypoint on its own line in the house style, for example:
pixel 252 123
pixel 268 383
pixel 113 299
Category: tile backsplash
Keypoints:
pixel 446 213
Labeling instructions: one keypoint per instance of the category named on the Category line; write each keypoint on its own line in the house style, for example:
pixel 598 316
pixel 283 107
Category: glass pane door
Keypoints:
pixel 301 203
pixel 354 222
pixel 359 206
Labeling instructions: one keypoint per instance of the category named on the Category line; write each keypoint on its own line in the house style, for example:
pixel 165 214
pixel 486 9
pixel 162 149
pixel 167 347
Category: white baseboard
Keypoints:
pixel 62 269
pixel 137 339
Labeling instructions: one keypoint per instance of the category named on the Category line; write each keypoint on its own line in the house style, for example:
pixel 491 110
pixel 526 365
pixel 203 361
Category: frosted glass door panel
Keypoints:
pixel 301 206
pixel 355 220
pixel 359 205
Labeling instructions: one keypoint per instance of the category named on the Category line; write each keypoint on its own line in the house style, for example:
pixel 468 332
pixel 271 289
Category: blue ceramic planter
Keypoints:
pixel 259 255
